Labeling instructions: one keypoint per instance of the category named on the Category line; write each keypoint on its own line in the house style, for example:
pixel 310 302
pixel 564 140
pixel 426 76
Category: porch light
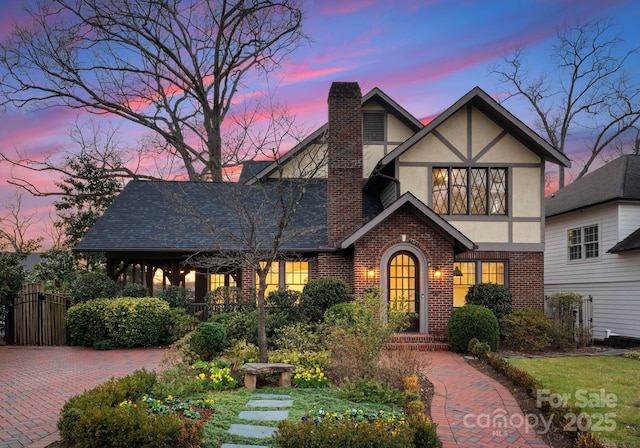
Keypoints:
pixel 370 272
pixel 437 273
pixel 457 272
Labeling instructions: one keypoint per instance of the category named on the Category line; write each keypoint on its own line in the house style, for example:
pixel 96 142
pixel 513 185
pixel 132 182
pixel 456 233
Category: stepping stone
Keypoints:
pixel 255 431
pixel 268 416
pixel 269 403
pixel 235 445
pixel 275 396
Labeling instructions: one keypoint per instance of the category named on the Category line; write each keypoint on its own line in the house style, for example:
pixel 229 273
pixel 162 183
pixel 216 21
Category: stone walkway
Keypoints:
pixel 260 431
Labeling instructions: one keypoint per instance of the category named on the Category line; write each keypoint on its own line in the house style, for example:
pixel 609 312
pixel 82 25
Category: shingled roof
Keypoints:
pixel 192 216
pixel 617 180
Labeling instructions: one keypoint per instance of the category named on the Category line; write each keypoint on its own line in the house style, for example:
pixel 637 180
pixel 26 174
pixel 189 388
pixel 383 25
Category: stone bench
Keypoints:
pixel 252 369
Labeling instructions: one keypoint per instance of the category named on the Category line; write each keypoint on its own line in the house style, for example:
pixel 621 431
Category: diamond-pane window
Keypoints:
pixel 498 191
pixel 440 190
pixel 459 191
pixel 478 192
pixel 469 191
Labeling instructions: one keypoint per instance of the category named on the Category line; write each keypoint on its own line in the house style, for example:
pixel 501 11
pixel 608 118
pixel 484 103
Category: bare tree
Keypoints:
pixel 588 95
pixel 257 222
pixel 14 228
pixel 174 67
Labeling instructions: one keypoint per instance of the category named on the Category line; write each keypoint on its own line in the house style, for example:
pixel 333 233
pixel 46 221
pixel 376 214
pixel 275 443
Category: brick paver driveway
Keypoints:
pixel 36 381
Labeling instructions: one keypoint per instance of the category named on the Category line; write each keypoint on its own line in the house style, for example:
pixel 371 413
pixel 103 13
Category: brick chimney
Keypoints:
pixel 344 183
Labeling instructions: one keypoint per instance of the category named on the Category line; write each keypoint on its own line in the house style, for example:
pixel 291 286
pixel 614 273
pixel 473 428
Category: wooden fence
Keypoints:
pixel 36 318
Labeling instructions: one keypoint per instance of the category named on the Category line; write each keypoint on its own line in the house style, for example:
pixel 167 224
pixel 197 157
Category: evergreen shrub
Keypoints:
pixel 497 298
pixel 472 321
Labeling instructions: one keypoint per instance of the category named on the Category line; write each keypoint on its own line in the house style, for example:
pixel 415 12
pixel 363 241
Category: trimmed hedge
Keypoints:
pixel 125 322
pixel 92 285
pixel 97 418
pixel 473 321
pixel 208 340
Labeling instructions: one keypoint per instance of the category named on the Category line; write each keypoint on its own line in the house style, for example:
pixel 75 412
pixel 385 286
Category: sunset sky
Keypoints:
pixel 424 54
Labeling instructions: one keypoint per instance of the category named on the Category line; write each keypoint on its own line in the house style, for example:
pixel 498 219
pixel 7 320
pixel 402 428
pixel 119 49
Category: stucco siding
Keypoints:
pixel 508 149
pixel 526 200
pixel 371 154
pixel 527 232
pixel 304 162
pixel 455 130
pixel 415 179
pixel 431 149
pixel 483 131
pixel 483 231
pixel 396 130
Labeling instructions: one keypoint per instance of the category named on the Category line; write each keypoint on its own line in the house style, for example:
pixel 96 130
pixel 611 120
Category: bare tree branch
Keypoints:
pixel 171 66
pixel 588 92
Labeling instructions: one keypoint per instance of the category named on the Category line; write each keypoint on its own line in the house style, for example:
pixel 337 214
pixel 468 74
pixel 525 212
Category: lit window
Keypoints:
pixel 469 191
pixel 583 243
pixel 493 272
pixel 292 275
pixel 220 280
pixel 476 272
pixel 461 284
pixel 297 275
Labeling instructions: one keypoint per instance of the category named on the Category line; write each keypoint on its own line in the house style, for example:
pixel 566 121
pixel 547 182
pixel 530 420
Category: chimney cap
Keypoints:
pixel 345 90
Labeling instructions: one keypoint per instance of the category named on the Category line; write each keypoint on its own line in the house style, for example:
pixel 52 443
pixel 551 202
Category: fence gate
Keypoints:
pixel 36 318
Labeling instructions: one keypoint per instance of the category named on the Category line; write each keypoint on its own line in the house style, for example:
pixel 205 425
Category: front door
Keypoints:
pixel 404 294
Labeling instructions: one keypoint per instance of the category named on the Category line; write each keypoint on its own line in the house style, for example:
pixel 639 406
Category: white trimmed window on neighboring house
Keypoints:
pixel 583 243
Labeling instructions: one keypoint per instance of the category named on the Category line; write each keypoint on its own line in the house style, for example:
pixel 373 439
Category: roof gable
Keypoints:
pixel 617 180
pixel 495 111
pixel 461 242
pixel 374 95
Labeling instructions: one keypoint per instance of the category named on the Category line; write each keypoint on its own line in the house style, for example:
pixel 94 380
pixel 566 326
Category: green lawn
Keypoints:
pixel 597 383
pixel 228 405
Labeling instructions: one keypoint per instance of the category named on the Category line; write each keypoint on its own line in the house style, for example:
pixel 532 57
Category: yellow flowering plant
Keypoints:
pixel 311 378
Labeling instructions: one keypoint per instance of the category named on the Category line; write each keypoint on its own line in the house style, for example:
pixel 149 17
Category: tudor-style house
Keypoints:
pixel 422 211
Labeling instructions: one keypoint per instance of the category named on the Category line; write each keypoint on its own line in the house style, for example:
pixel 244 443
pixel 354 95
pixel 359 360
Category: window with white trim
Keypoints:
pixel 583 243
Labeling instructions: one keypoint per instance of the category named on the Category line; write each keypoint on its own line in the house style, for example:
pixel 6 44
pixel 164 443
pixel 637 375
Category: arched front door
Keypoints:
pixel 403 274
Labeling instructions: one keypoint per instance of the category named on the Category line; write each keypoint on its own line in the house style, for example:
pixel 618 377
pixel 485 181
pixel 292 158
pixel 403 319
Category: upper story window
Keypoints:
pixel 469 191
pixel 583 243
pixel 373 126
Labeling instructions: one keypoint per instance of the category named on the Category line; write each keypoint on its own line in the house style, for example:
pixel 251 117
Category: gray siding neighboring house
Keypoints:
pixel 593 245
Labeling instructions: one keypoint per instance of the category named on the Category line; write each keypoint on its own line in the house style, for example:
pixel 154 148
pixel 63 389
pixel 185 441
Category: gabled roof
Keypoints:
pixel 374 95
pixel 617 180
pixel 186 217
pixel 273 166
pixel 250 168
pixel 378 96
pixel 461 242
pixel 480 99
